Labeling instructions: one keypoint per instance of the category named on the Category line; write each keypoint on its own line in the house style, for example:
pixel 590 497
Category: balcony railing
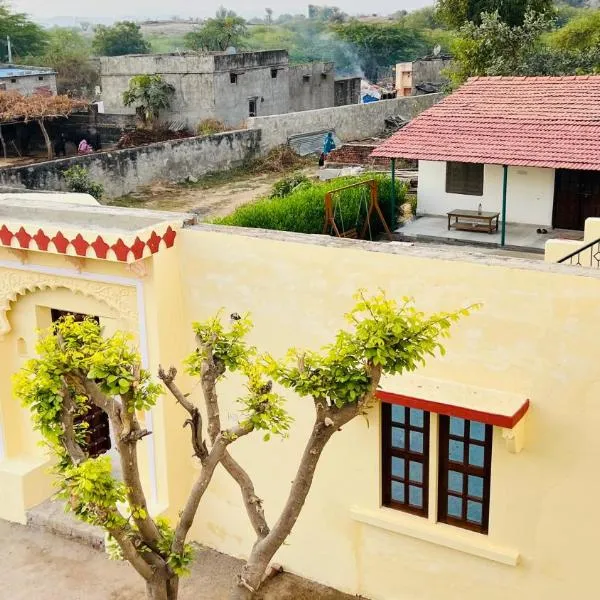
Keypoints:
pixel 586 256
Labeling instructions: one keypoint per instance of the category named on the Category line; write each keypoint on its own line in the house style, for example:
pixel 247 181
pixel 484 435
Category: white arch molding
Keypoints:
pixel 124 295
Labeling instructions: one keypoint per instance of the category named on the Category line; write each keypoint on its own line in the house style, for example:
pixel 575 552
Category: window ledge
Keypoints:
pixel 435 533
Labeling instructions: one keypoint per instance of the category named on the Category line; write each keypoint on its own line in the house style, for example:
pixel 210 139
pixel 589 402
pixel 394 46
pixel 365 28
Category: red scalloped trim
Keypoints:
pixel 41 242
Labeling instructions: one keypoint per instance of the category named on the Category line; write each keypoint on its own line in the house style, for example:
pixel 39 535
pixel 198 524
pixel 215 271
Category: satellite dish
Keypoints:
pixel 230 50
pixel 437 50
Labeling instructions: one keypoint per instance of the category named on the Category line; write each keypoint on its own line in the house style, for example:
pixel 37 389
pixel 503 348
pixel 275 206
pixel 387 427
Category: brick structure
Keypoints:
pixel 359 153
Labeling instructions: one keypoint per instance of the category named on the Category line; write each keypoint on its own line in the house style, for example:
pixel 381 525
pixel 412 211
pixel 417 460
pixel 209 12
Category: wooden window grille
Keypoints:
pixel 464 178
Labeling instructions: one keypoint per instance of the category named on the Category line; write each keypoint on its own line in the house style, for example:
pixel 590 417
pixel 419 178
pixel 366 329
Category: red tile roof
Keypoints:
pixel 526 121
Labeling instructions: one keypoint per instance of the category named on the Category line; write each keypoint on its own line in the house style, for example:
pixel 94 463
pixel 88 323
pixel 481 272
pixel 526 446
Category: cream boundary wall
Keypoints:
pixel 532 337
pixel 530 193
pixel 556 249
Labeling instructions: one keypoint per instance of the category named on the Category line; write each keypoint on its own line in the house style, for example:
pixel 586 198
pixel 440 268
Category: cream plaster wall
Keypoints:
pixel 530 193
pixel 532 337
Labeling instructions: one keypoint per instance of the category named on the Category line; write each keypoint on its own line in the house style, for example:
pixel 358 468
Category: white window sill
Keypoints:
pixel 435 533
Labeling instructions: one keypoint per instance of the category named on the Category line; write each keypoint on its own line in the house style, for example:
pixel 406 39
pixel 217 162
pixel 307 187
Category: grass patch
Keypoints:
pixel 303 210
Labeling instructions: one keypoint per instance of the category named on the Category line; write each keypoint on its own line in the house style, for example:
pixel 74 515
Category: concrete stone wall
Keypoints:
pixel 122 171
pixel 347 91
pixel 352 122
pixel 311 86
pixel 429 72
pixel 30 84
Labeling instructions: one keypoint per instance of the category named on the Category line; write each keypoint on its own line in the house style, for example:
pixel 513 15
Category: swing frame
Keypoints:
pixel 330 224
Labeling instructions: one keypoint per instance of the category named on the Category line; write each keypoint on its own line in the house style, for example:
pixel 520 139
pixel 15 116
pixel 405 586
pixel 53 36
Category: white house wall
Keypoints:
pixel 530 193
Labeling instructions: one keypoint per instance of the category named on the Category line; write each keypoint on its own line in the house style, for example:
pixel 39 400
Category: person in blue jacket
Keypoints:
pixel 328 146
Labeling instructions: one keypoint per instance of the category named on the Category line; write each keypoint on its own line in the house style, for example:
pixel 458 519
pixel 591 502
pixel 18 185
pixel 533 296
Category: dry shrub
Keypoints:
pixel 210 127
pixel 280 160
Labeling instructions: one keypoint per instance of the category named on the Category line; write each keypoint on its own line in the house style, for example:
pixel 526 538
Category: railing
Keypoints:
pixel 586 256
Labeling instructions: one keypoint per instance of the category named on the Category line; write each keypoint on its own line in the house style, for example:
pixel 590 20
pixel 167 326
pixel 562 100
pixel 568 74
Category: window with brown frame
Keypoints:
pixel 405 455
pixel 465 458
pixel 464 178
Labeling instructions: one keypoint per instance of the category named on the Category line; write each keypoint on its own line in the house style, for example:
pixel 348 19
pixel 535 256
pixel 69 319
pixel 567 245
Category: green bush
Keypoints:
pixel 78 180
pixel 284 187
pixel 303 210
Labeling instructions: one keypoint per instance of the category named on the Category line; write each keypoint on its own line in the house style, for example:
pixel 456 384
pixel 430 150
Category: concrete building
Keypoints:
pixel 423 76
pixel 27 80
pixel 506 145
pixel 227 87
pixel 347 91
pixel 473 478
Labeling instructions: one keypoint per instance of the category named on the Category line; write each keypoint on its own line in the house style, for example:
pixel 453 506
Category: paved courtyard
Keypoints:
pixel 37 565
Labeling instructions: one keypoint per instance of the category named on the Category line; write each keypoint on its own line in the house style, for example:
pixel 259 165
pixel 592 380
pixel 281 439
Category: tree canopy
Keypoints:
pixel 124 37
pixel 225 29
pixel 581 33
pixel 455 13
pixel 26 37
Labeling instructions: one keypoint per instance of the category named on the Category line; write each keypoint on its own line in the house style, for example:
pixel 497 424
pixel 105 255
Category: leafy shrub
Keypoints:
pixel 210 127
pixel 78 180
pixel 284 187
pixel 303 210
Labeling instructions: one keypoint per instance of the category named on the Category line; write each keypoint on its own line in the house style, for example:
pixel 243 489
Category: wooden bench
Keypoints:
pixel 473 220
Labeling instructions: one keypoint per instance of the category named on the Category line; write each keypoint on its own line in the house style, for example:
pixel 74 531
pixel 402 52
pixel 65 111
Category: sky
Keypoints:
pixel 140 9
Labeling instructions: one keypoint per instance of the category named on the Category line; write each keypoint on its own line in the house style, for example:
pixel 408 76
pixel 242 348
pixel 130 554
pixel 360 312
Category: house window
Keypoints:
pixel 323 75
pixel 405 458
pixel 464 178
pixel 252 107
pixel 13 80
pixel 306 78
pixel 273 73
pixel 233 77
pixel 465 456
pixel 41 78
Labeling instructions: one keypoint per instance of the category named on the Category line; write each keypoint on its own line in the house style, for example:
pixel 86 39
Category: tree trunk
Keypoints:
pixel 160 588
pixel 46 139
pixel 3 143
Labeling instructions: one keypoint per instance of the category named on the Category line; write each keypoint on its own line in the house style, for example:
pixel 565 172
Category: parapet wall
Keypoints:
pixel 122 171
pixel 351 122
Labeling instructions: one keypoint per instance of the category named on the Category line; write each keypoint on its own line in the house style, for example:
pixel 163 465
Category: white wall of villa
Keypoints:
pixel 530 193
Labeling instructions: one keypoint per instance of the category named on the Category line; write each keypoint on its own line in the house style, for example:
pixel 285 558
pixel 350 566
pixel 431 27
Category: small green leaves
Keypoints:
pixel 226 346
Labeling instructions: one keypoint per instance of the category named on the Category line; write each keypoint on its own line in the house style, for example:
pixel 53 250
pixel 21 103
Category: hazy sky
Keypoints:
pixel 199 8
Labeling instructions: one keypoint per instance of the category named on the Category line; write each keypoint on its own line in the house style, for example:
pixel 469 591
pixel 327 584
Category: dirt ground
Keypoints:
pixel 37 565
pixel 216 199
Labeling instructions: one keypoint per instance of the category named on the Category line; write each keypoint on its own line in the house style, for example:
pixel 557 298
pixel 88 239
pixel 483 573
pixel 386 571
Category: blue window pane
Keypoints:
pixel 417 417
pixel 415 471
pixel 398 436
pixel 476 454
pixel 397 413
pixel 456 451
pixel 416 441
pixel 398 467
pixel 475 486
pixel 415 496
pixel 474 512
pixel 454 507
pixel 457 426
pixel 455 481
pixel 477 431
pixel 397 491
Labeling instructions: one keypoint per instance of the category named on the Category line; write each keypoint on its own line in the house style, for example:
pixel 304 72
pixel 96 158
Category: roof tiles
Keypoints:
pixel 524 121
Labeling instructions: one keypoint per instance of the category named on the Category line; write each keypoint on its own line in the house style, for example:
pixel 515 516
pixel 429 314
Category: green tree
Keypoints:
pixel 77 367
pixel 494 47
pixel 381 44
pixel 582 33
pixel 219 33
pixel 124 37
pixel 68 53
pixel 149 94
pixel 26 37
pixel 455 13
